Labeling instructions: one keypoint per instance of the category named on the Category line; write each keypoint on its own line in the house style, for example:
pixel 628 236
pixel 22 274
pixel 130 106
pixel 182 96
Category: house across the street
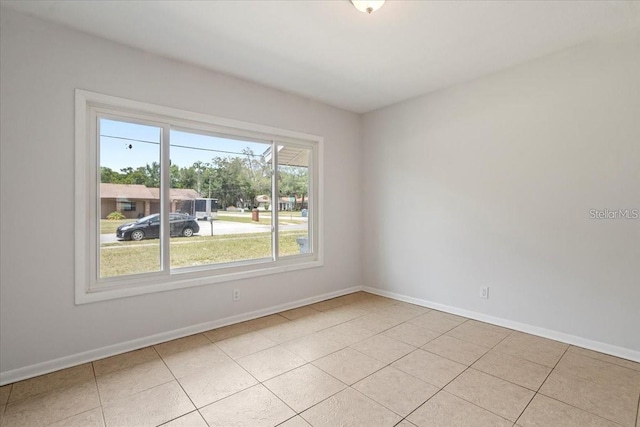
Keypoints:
pixel 263 202
pixel 136 201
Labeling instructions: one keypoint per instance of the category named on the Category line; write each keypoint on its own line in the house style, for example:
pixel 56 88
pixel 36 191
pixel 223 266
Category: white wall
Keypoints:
pixel 486 183
pixel 41 66
pixel 491 183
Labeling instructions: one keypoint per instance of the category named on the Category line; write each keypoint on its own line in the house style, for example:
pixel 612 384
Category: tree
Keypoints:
pixel 108 175
pixel 258 175
pixel 199 168
pixel 234 181
pixel 293 181
pixel 184 177
pixel 152 175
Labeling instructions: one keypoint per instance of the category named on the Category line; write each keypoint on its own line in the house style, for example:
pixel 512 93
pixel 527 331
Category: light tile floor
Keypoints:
pixel 359 360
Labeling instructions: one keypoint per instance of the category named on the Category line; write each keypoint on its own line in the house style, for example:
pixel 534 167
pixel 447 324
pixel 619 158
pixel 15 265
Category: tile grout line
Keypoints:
pixel 183 415
pixel 288 419
pixel 638 413
pixel 5 404
pixel 442 389
pixel 602 360
pixel 75 415
pixel 389 366
pixel 187 394
pixel 8 397
pixel 311 364
pixel 179 384
pixel 278 397
pixel 417 348
pixel 296 412
pixel 95 377
pixel 582 379
pixel 367 310
pixel 83 412
pixel 600 417
pixel 53 391
pixel 258 381
pixel 362 379
pixel 536 392
pixel 487 373
pixel 545 380
pixel 153 346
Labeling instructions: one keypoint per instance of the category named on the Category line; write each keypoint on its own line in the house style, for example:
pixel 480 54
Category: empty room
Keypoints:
pixel 319 213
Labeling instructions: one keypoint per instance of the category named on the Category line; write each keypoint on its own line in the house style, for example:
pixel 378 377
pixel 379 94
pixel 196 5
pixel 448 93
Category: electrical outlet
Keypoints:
pixel 484 292
pixel 236 295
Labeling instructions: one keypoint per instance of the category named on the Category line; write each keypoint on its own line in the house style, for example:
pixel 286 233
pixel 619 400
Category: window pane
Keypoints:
pixel 215 185
pixel 129 198
pixel 293 200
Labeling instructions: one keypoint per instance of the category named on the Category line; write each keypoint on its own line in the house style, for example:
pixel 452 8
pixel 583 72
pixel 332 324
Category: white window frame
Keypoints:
pixel 88 288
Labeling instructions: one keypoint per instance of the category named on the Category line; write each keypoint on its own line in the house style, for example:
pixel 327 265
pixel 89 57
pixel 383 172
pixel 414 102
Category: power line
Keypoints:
pixel 181 146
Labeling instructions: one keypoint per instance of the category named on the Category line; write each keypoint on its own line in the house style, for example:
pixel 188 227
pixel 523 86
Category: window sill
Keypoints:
pixel 132 286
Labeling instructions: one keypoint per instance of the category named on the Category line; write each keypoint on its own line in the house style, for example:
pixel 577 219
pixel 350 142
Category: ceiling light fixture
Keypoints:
pixel 367 6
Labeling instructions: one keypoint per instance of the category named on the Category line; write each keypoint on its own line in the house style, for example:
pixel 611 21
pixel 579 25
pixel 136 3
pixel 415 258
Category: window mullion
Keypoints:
pixel 165 168
pixel 274 200
pixel 312 212
pixel 94 209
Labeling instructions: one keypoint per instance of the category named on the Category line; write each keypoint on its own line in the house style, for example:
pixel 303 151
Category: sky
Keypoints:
pixel 132 145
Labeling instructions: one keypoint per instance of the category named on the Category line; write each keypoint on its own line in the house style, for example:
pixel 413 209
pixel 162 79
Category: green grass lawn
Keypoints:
pixel 265 217
pixel 109 227
pixel 142 257
pixel 246 218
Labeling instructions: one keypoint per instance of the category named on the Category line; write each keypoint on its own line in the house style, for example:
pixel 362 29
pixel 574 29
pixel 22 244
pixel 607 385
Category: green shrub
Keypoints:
pixel 116 216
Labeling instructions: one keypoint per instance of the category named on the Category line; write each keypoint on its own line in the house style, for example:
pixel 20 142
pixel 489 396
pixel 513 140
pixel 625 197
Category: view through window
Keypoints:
pixel 219 198
pixel 293 199
pixel 129 170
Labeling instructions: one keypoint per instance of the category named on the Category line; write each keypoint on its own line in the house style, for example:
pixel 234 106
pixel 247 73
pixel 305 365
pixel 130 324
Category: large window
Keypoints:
pixel 168 198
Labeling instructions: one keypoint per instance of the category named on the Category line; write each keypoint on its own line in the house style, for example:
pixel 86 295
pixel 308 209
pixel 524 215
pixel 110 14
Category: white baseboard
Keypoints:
pixel 601 347
pixel 31 371
pixel 26 372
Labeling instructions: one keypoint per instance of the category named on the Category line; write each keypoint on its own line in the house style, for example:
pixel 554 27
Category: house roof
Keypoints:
pixel 183 194
pixel 136 191
pixel 176 194
pixel 125 191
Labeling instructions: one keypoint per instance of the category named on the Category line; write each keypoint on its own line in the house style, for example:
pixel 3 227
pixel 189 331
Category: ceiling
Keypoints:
pixel 329 51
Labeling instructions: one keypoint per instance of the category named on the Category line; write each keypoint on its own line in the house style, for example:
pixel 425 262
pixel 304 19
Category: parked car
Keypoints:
pixel 148 227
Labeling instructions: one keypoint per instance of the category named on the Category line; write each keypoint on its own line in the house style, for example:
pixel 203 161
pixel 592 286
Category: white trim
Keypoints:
pixel 195 278
pixel 275 196
pixel 31 371
pixel 88 288
pixel 168 113
pixel 318 202
pixel 613 350
pixel 82 206
pixel 42 368
pixel 165 234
